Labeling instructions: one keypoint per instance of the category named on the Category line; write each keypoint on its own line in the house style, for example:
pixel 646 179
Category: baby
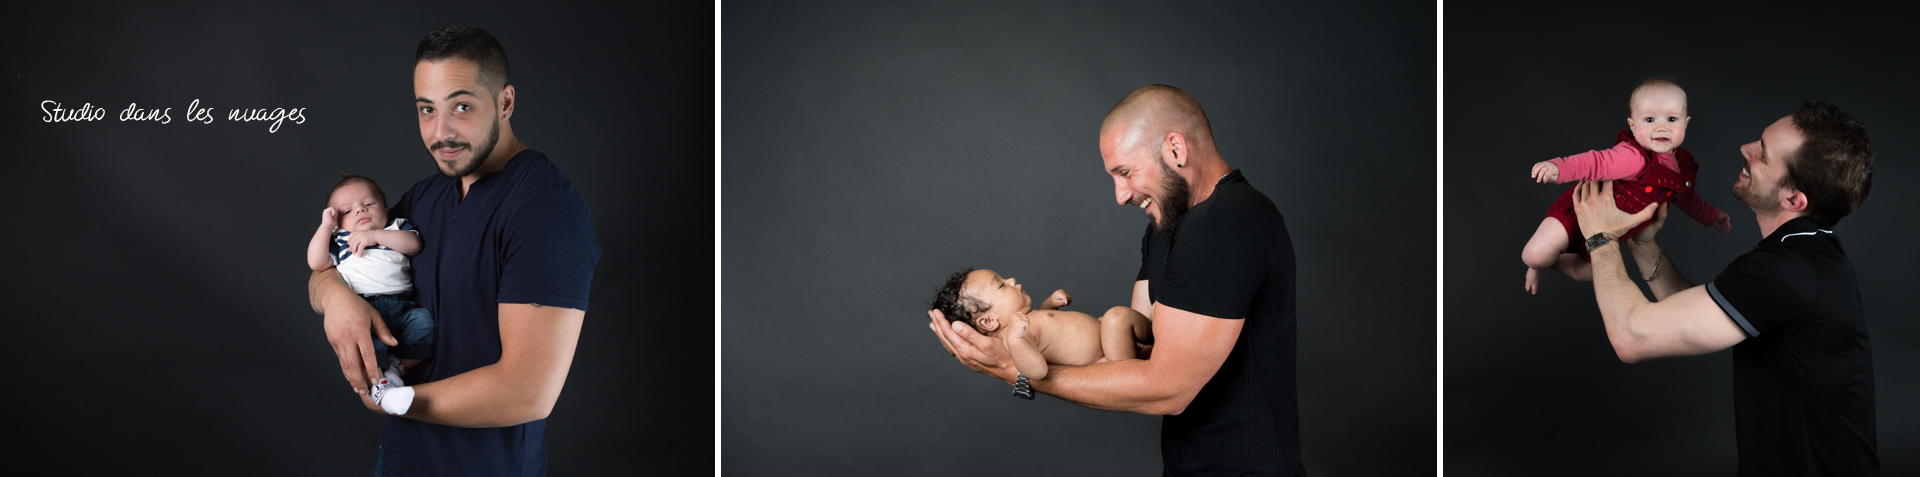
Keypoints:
pixel 1648 168
pixel 373 261
pixel 1000 308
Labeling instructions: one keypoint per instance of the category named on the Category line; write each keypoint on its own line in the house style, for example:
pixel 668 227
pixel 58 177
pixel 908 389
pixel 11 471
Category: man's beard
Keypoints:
pixel 1172 200
pixel 1759 203
pixel 461 170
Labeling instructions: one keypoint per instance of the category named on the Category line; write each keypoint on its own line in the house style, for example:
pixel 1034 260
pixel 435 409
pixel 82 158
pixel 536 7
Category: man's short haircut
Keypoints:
pixel 469 43
pixel 955 304
pixel 1651 81
pixel 1834 166
pixel 346 178
pixel 1164 108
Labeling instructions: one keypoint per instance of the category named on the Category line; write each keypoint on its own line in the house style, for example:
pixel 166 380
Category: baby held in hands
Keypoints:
pixel 1648 168
pixel 371 252
pixel 1000 308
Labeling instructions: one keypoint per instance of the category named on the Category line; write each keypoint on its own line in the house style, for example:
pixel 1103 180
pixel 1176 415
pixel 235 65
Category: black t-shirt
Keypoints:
pixel 1230 258
pixel 1803 379
pixel 522 235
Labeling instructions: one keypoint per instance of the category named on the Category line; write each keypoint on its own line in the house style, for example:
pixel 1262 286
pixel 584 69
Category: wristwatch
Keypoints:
pixel 1021 388
pixel 1599 240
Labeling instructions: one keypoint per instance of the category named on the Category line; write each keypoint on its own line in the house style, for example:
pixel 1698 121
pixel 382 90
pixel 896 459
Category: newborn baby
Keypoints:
pixel 1000 308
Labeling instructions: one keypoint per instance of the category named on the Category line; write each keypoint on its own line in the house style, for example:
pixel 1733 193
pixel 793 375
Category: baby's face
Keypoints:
pixel 359 209
pixel 1659 121
pixel 1004 296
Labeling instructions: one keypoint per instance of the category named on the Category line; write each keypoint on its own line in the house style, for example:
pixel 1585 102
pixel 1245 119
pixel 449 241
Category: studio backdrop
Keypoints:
pixel 873 149
pixel 157 317
pixel 1533 386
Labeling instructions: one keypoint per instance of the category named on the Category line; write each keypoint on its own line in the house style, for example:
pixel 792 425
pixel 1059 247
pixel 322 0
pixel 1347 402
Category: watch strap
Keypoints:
pixel 1022 388
pixel 1600 240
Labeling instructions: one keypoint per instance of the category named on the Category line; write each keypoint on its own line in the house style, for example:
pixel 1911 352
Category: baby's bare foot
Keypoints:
pixel 1533 281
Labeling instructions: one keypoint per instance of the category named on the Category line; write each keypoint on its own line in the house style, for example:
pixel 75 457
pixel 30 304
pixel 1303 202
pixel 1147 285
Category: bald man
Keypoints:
pixel 1216 278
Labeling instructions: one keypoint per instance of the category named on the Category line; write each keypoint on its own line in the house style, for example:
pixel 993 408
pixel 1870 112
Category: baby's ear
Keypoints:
pixel 987 322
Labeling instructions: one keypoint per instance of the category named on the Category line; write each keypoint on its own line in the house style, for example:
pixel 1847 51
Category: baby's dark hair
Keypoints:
pixel 346 178
pixel 958 306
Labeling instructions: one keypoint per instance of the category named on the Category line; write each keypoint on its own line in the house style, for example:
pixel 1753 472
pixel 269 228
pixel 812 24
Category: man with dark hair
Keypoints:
pixel 1790 309
pixel 507 261
pixel 1216 278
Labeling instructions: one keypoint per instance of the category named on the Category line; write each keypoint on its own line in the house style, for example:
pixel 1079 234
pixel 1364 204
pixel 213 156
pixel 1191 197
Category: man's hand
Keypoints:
pixel 1653 227
pixel 1593 203
pixel 1724 223
pixel 1545 171
pixel 329 218
pixel 360 240
pixel 347 319
pixel 1059 299
pixel 980 353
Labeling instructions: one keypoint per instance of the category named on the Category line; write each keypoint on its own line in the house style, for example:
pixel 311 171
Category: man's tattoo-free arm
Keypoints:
pixel 1687 323
pixel 1188 349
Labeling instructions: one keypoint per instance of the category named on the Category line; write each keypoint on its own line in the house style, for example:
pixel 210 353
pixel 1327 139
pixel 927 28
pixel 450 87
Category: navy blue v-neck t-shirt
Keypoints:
pixel 521 235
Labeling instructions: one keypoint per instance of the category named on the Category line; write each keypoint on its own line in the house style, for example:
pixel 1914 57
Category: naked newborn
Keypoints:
pixel 999 307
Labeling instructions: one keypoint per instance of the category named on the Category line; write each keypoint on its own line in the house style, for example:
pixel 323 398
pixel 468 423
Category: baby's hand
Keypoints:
pixel 1059 299
pixel 1020 325
pixel 1545 171
pixel 328 217
pixel 359 240
pixel 1724 223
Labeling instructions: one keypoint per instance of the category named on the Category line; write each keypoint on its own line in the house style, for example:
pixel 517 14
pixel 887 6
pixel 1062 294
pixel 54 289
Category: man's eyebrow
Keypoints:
pixel 457 92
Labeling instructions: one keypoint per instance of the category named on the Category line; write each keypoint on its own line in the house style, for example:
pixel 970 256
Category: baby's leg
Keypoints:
pixel 1548 242
pixel 1543 251
pixel 414 329
pixel 1120 328
pixel 1026 354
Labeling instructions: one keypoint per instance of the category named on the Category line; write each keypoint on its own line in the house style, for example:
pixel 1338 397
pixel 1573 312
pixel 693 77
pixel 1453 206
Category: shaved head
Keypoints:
pixel 1145 116
pixel 1154 144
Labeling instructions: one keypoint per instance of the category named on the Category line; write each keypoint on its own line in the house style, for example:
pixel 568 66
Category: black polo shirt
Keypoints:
pixel 521 235
pixel 1230 258
pixel 1803 379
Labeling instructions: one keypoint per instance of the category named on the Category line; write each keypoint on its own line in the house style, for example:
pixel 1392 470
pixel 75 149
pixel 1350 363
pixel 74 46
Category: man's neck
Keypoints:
pixel 1206 175
pixel 502 152
pixel 1773 220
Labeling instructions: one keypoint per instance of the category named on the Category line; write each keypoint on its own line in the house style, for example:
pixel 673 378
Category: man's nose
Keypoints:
pixel 442 129
pixel 1121 196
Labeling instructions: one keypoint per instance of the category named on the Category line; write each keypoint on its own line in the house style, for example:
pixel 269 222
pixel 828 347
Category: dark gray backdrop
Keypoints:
pixel 1533 387
pixel 157 320
pixel 871 150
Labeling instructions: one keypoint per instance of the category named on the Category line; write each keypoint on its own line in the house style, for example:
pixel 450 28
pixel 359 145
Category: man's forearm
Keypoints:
pixel 1113 386
pixel 495 395
pixel 1666 279
pixel 1617 297
pixel 323 287
pixel 536 351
